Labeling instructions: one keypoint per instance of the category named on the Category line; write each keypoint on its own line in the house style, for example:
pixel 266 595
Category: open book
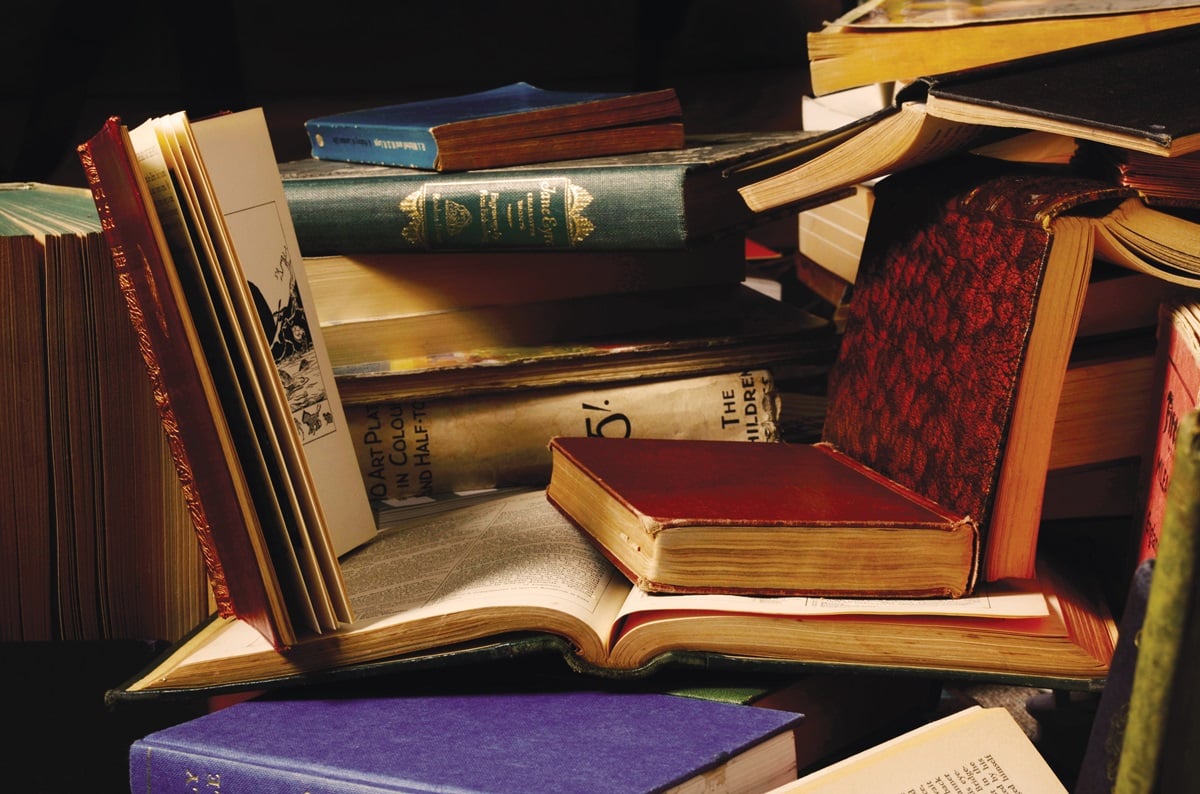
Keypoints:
pixel 513 572
pixel 1065 93
pixel 976 749
pixel 205 251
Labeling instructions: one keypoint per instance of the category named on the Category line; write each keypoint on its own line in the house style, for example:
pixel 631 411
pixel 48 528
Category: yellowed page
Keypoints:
pixel 509 564
pixel 1016 598
pixel 980 750
pixel 240 163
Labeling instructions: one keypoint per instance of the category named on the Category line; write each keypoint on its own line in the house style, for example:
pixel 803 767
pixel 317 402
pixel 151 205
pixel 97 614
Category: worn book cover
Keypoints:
pixel 651 200
pixel 520 741
pixel 513 124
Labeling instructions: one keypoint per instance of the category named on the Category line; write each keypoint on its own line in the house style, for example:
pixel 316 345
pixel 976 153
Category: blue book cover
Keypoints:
pixel 514 124
pixel 560 741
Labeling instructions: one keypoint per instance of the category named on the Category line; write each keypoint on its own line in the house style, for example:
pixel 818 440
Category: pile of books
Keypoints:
pixel 470 315
pixel 581 329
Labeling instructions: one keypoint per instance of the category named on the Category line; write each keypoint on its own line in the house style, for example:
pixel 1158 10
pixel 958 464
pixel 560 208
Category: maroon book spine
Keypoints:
pixel 220 514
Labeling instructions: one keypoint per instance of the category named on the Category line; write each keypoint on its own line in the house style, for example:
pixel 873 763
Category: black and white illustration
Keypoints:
pixel 270 274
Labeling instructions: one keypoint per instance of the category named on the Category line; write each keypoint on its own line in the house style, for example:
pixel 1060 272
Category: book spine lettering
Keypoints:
pixel 420 447
pixel 162 770
pixel 584 209
pixel 412 147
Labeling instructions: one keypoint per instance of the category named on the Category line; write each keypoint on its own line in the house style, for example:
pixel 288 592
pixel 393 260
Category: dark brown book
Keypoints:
pixel 953 359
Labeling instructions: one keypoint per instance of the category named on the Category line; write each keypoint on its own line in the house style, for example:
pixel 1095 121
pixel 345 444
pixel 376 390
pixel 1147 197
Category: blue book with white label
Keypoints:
pixel 512 125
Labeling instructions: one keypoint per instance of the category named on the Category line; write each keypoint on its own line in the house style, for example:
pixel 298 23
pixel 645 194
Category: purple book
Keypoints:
pixel 584 741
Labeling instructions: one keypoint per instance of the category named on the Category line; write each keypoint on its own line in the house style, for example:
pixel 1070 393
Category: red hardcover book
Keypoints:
pixel 951 366
pixel 1178 374
pixel 215 485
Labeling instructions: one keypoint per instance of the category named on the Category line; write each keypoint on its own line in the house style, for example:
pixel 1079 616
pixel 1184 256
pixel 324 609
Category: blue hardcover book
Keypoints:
pixel 560 741
pixel 511 125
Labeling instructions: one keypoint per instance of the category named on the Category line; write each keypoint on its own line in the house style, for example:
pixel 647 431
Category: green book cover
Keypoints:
pixel 654 200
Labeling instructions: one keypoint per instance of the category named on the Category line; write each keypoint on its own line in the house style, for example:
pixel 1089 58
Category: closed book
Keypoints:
pixel 907 398
pixel 1162 696
pixel 509 125
pixel 651 200
pixel 564 741
pixel 883 41
pixel 702 517
pixel 1098 768
pixel 368 286
pixel 420 447
pixel 1064 93
pixel 356 343
pixel 1175 391
pixel 739 329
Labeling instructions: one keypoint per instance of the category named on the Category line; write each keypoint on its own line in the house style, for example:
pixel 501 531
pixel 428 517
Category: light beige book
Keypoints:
pixel 427 446
pixel 977 749
pixel 352 287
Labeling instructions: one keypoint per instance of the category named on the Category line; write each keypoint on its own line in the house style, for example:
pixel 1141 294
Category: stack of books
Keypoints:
pixel 470 315
pixel 976 290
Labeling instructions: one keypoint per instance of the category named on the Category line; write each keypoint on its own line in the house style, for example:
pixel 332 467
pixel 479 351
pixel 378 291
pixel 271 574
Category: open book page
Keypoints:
pixel 978 749
pixel 227 284
pixel 238 160
pixel 1011 598
pixel 175 204
pixel 509 564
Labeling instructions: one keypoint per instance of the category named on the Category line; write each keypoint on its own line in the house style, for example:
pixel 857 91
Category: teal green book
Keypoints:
pixel 653 200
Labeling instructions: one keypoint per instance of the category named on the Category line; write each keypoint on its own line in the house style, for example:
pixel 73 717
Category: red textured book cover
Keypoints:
pixel 935 338
pixel 220 512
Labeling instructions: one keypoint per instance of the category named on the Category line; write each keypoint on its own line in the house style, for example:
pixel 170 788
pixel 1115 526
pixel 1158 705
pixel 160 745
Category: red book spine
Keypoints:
pixel 207 473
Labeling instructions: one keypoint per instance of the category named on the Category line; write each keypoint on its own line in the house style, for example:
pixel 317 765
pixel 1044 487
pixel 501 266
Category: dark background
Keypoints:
pixel 67 65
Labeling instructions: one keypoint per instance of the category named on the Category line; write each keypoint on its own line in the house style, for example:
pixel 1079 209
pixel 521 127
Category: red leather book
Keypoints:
pixel 1177 372
pixel 215 485
pixel 950 370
